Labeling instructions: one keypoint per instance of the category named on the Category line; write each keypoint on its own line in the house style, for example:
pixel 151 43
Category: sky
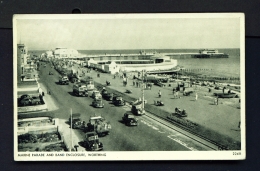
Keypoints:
pixel 111 33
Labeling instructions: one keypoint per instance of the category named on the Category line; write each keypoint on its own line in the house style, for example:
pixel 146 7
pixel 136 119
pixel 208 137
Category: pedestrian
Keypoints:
pixel 40 90
pixel 239 124
pixel 209 90
pixel 217 101
pixel 136 83
pixel 160 94
pixel 196 96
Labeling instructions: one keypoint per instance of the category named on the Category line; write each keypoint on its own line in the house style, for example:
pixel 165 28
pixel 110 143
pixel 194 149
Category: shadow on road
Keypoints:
pixel 71 93
pixel 121 121
pixel 81 143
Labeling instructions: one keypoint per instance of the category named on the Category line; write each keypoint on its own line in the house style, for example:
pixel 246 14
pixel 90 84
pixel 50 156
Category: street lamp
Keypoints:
pixel 70 129
pixel 143 91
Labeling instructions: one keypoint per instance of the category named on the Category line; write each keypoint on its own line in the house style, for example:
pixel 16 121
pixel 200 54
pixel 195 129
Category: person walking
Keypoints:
pixel 217 101
pixel 196 96
pixel 160 94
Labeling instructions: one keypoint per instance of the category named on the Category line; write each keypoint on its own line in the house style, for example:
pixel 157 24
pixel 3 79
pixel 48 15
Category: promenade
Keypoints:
pixel 223 118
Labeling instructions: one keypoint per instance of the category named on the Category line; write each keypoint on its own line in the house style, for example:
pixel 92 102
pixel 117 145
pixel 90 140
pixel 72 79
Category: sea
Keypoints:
pixel 219 67
pixel 223 67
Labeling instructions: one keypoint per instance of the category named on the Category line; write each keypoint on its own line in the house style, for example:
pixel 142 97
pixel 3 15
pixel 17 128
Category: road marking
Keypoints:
pixel 162 132
pixel 181 142
pixel 150 125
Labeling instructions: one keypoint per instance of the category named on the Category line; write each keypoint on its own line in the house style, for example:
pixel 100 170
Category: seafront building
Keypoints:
pixel 27 78
pixel 113 63
pixel 65 53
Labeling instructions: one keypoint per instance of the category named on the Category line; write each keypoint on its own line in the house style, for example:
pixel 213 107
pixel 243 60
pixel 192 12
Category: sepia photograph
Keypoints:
pixel 129 87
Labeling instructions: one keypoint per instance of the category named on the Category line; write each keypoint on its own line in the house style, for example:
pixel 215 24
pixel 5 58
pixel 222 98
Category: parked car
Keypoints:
pixel 76 122
pixel 106 95
pixel 98 124
pixel 64 80
pixel 129 119
pixel 24 96
pixel 91 142
pixel 27 101
pixel 159 83
pixel 118 101
pixel 96 95
pixel 98 103
pixel 137 108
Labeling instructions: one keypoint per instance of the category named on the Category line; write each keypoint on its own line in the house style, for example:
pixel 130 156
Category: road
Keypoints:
pixel 147 136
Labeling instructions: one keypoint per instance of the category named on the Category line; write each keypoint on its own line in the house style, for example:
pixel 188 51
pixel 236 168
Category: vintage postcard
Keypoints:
pixel 129 87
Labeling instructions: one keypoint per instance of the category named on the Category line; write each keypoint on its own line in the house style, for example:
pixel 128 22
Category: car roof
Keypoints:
pixel 96 117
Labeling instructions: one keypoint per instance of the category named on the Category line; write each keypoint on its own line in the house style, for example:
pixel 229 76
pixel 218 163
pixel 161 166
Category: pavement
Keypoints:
pixel 223 118
pixel 48 99
pixel 64 129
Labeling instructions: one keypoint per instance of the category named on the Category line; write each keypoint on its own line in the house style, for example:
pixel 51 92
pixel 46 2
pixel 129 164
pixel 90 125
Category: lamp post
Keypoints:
pixel 143 91
pixel 70 129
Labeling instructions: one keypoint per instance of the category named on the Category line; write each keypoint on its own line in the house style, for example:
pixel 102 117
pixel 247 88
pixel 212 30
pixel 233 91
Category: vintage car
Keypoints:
pixel 99 125
pixel 73 77
pixel 27 101
pixel 24 96
pixel 158 103
pixel 98 103
pixel 96 95
pixel 118 101
pixel 63 80
pixel 106 95
pixel 92 143
pixel 137 108
pixel 159 83
pixel 75 121
pixel 80 89
pixel 181 113
pixel 129 119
